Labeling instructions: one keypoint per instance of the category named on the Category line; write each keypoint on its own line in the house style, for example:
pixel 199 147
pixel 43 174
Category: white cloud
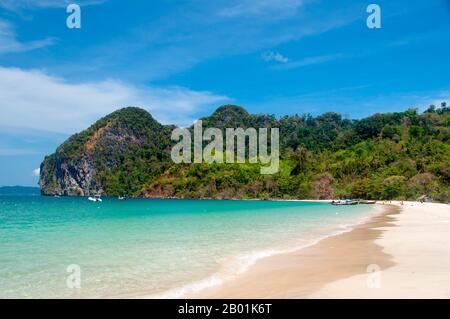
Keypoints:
pixel 274 56
pixel 198 32
pixel 36 172
pixel 33 99
pixel 311 61
pixel 9 42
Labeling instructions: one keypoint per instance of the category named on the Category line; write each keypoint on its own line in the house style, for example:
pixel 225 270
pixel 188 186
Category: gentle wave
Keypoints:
pixel 242 263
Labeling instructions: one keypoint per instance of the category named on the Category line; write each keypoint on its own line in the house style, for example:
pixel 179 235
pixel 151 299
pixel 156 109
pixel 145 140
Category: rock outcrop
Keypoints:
pixel 115 156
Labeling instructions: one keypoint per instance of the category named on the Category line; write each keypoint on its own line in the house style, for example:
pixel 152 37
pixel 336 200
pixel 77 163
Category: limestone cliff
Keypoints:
pixel 115 156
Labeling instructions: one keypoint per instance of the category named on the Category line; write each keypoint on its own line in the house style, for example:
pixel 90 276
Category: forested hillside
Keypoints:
pixel 401 155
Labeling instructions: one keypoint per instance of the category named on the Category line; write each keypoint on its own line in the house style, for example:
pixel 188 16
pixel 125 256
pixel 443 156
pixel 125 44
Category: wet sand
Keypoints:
pixel 302 273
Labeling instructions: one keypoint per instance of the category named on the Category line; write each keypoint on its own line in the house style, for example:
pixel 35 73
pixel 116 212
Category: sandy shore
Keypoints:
pixel 402 253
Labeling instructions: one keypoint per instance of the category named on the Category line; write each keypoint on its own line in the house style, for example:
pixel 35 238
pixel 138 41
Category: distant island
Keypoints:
pixel 402 155
pixel 19 190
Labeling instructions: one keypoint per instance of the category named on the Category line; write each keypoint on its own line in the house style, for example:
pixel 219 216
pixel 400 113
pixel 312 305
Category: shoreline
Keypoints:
pixel 243 264
pixel 220 279
pixel 418 244
pixel 298 273
pixel 406 245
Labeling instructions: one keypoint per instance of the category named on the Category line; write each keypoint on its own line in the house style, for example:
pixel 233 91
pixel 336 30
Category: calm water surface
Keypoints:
pixel 143 247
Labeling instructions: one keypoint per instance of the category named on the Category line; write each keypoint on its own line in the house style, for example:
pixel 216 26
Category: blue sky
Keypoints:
pixel 182 59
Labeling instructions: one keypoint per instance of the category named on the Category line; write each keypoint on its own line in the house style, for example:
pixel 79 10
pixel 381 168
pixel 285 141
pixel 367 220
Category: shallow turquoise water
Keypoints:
pixel 148 247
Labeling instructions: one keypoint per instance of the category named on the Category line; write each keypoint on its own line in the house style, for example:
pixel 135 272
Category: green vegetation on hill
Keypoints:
pixel 401 155
pixel 396 155
pixel 115 156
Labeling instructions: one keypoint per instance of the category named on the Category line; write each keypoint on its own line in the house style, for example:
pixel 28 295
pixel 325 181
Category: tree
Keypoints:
pixel 393 187
pixel 301 157
pixel 360 188
pixel 422 184
pixel 323 186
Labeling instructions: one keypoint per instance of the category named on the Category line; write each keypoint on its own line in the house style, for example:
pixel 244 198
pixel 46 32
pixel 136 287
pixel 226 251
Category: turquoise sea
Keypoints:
pixel 149 248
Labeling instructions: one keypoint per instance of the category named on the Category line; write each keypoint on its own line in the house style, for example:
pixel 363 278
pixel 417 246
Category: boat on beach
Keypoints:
pixel 367 202
pixel 344 202
pixel 352 202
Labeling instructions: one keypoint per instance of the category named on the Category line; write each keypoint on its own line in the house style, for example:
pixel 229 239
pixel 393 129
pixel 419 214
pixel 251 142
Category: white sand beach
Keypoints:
pixel 420 248
pixel 408 244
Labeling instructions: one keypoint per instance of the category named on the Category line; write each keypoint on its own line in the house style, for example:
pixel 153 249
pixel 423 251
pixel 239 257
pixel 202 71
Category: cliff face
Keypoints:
pixel 124 152
pixel 113 157
pixel 400 155
pixel 63 176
